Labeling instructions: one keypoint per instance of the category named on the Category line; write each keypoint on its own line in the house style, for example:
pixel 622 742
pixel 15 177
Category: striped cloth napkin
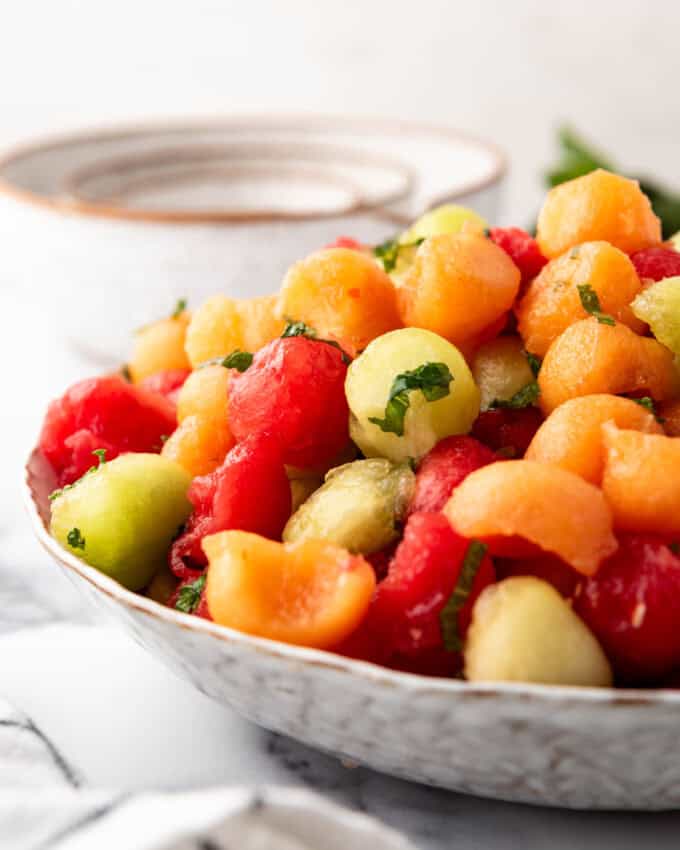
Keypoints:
pixel 44 804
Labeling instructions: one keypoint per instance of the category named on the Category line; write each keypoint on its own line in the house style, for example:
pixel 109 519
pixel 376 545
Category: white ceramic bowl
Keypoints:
pixel 561 746
pixel 108 229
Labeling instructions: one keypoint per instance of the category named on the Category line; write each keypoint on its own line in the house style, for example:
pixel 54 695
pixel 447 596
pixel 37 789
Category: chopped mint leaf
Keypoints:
pixel 525 397
pixel 298 329
pixel 190 595
pixel 239 360
pixel 180 307
pixel 648 403
pixel 575 251
pixel 591 304
pixel 125 373
pixel 75 539
pixel 432 379
pixel 388 252
pixel 487 232
pixel 101 456
pixel 448 617
pixel 301 329
pixel 534 362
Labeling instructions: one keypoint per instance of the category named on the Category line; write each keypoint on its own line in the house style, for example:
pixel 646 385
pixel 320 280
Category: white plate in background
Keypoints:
pixel 106 230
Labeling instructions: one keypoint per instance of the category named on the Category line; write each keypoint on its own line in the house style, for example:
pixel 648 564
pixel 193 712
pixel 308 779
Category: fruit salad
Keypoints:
pixel 456 453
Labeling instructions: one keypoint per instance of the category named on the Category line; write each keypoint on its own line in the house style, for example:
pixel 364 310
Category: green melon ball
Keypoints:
pixel 447 218
pixel 359 507
pixel 659 306
pixel 123 517
pixel 400 356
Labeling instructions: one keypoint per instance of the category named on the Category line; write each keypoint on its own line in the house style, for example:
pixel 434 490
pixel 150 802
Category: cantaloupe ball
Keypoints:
pixel 222 325
pixel 159 347
pixel 542 504
pixel 598 206
pixel 203 438
pixel 552 301
pixel 458 285
pixel 590 357
pixel 522 630
pixel 309 593
pixel 343 295
pixel 204 394
pixel 260 323
pixel 641 480
pixel 571 437
pixel 197 445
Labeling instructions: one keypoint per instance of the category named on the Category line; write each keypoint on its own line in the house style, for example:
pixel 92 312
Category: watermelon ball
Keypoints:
pixel 402 628
pixel 656 263
pixel 632 606
pixel 103 413
pixel 507 431
pixel 543 565
pixel 250 491
pixel 346 242
pixel 522 249
pixel 167 383
pixel 443 468
pixel 294 388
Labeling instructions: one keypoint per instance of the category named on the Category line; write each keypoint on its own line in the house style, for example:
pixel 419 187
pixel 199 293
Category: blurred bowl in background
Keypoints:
pixel 107 230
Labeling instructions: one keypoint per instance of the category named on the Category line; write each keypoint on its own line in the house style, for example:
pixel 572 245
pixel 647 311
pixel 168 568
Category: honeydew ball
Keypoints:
pixel 447 218
pixel 122 518
pixel 369 383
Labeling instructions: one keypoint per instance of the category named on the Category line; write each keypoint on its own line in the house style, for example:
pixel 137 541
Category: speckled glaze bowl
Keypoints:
pixel 558 746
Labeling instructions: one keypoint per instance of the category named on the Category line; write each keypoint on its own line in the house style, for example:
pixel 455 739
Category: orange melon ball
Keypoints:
pixel 552 301
pixel 204 394
pixel 590 357
pixel 343 295
pixel 222 325
pixel 159 347
pixel 571 437
pixel 539 503
pixel 214 330
pixel 641 480
pixel 197 445
pixel 203 438
pixel 458 285
pixel 259 322
pixel 309 593
pixel 598 206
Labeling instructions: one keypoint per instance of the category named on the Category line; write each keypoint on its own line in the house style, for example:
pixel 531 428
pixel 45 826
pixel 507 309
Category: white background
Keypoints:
pixel 507 70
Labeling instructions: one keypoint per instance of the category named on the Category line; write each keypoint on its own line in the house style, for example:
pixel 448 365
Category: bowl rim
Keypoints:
pixel 252 120
pixel 376 674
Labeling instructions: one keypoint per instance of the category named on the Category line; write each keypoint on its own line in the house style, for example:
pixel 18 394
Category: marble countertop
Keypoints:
pixel 127 723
